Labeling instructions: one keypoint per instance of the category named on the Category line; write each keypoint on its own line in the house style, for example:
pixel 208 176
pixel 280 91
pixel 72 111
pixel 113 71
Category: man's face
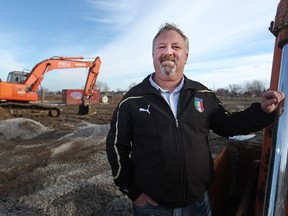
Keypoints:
pixel 169 54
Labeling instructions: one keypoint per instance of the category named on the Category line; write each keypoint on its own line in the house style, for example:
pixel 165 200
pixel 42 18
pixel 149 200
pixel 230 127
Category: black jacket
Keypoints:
pixel 168 159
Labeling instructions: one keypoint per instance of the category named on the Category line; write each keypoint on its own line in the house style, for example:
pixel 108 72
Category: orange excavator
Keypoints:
pixel 251 179
pixel 19 93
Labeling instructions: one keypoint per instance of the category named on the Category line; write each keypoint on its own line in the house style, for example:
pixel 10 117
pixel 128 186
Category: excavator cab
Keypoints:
pixel 17 76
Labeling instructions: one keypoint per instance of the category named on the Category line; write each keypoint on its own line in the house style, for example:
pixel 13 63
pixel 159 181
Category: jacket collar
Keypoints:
pixel 146 87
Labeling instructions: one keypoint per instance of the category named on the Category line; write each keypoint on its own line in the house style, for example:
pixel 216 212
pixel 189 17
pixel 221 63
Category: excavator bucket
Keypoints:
pixel 83 109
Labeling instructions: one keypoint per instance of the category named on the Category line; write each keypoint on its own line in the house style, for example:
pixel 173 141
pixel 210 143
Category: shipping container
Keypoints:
pixel 74 96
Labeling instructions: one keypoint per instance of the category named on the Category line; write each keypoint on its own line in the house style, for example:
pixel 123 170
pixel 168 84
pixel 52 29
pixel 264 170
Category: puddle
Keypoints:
pixel 243 137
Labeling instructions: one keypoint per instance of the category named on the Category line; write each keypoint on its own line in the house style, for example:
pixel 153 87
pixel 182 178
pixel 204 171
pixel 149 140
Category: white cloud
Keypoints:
pixel 220 74
pixel 115 13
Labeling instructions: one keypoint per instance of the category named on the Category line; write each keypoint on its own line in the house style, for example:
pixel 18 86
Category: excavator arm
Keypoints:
pixel 36 76
pixel 89 87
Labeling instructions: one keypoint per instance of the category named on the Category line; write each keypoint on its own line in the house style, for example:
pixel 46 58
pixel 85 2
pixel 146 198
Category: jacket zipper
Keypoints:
pixel 182 168
pixel 176 123
pixel 184 175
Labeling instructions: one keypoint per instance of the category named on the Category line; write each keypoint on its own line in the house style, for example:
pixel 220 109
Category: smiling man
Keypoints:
pixel 158 146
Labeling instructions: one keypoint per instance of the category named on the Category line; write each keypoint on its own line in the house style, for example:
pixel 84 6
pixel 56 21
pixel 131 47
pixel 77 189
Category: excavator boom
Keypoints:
pixel 36 76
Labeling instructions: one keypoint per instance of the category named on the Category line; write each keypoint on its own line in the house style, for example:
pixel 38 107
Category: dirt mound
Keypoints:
pixel 4 114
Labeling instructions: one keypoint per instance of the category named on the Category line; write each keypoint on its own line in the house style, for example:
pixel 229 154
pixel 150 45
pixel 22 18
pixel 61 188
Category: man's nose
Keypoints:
pixel 169 51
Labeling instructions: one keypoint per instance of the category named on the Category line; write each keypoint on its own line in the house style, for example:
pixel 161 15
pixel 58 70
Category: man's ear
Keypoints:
pixel 186 57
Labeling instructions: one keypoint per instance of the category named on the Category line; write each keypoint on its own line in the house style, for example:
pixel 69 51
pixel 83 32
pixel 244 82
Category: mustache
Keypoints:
pixel 167 58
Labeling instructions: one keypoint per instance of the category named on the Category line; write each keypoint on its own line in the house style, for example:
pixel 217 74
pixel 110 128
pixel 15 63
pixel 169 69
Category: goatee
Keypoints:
pixel 167 65
pixel 167 69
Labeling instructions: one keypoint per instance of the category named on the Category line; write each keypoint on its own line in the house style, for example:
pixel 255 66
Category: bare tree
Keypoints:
pixel 106 88
pixel 235 90
pixel 254 88
pixel 100 85
pixel 222 92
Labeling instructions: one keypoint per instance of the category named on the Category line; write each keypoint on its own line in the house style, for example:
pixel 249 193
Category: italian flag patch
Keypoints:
pixel 198 103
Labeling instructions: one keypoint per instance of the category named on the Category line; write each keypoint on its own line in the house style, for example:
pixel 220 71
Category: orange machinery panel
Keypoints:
pixel 16 92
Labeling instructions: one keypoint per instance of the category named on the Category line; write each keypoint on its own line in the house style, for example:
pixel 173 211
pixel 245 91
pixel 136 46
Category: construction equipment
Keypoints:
pixel 251 179
pixel 273 178
pixel 20 93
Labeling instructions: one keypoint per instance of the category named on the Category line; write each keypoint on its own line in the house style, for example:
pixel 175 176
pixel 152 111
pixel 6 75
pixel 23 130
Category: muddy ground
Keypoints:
pixel 58 166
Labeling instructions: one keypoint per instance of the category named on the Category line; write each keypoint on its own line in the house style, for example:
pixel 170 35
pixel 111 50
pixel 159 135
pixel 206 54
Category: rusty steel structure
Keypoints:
pixel 275 202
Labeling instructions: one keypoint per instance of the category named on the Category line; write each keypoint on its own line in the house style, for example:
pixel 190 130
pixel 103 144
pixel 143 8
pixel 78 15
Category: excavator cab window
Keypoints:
pixel 17 76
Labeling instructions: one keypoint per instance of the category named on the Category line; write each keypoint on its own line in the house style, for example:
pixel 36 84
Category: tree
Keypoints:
pixel 235 90
pixel 222 92
pixel 106 87
pixel 99 85
pixel 103 87
pixel 254 88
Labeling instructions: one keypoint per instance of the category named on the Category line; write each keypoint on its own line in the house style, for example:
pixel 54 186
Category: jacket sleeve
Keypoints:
pixel 118 148
pixel 244 122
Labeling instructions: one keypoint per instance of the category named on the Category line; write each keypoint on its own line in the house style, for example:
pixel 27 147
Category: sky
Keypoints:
pixel 229 39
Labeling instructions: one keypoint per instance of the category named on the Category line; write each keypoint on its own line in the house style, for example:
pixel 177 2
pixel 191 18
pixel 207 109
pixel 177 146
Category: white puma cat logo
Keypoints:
pixel 145 110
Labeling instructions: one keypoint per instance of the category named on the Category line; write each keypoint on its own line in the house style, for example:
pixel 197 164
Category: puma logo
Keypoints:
pixel 145 110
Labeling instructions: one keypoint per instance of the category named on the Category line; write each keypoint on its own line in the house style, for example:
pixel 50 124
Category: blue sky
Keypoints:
pixel 229 39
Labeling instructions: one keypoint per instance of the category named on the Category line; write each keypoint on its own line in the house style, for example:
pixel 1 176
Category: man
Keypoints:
pixel 157 145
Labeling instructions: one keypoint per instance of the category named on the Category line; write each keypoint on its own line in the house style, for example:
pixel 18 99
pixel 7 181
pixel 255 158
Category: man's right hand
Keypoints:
pixel 143 199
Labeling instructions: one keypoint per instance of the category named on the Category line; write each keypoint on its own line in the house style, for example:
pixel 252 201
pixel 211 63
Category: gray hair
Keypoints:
pixel 170 27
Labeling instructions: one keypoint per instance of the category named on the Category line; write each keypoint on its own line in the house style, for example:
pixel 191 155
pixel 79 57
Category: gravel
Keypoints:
pixel 51 172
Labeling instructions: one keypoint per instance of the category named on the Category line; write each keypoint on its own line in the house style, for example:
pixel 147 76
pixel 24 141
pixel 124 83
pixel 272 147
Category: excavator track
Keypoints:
pixel 28 110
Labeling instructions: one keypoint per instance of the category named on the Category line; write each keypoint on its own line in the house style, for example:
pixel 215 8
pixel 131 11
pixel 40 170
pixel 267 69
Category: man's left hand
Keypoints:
pixel 271 100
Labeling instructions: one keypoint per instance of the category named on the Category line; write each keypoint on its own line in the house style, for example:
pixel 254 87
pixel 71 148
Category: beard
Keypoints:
pixel 167 65
pixel 167 69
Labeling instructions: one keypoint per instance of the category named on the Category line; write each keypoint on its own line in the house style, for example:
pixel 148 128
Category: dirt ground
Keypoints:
pixel 58 166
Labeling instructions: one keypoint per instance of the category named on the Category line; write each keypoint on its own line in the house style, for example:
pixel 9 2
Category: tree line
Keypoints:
pixel 253 88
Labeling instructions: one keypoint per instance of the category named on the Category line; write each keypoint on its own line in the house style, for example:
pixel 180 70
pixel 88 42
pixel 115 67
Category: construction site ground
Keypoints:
pixel 58 166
